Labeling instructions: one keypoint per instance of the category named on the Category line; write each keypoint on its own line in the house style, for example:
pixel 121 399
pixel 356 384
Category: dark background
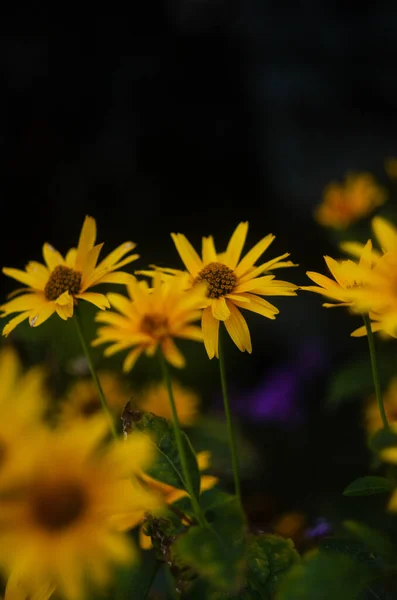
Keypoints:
pixel 192 116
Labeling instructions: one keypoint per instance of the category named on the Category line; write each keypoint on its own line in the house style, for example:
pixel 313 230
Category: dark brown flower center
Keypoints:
pixel 155 325
pixel 221 279
pixel 62 279
pixel 57 507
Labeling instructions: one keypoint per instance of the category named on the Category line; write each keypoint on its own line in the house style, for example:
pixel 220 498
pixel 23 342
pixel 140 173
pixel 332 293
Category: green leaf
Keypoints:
pixel 167 467
pixel 269 559
pixel 325 576
pixel 368 485
pixel 374 540
pixel 217 553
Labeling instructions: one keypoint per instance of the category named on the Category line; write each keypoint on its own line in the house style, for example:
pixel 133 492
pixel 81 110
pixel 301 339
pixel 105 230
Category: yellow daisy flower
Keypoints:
pixel 57 527
pixel 23 401
pixel 372 418
pixel 350 279
pixel 168 495
pixel 61 282
pixel 18 589
pixel 81 400
pixel 151 318
pixel 233 282
pixel 345 203
pixel 154 398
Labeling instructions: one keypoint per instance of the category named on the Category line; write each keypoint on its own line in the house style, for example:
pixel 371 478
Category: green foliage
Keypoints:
pixel 216 553
pixel 368 485
pixel 324 576
pixel 384 438
pixel 374 540
pixel 270 557
pixel 167 467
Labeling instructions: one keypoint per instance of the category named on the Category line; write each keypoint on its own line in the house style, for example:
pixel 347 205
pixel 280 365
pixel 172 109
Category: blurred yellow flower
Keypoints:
pixel 151 318
pixel 81 400
pixel 23 401
pixel 18 589
pixel 61 282
pixel 168 495
pixel 345 203
pixel 56 526
pixel 154 398
pixel 381 292
pixel 372 418
pixel 232 283
pixel 351 280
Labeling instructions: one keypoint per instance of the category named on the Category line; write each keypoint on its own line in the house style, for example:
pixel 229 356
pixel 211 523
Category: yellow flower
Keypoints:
pixel 18 589
pixel 154 398
pixel 57 527
pixel 23 401
pixel 372 419
pixel 61 282
pixel 380 294
pixel 350 279
pixel 168 495
pixel 81 400
pixel 151 318
pixel 232 284
pixel 345 203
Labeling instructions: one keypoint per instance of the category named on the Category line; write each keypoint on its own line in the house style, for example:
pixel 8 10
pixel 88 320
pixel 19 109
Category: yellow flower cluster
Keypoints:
pixel 345 203
pixel 367 285
pixel 214 287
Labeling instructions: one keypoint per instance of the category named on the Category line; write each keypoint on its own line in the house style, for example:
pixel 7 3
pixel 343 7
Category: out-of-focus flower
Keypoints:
pixel 152 318
pixel 81 400
pixel 168 494
pixel 372 418
pixel 23 401
pixel 61 282
pixel 345 203
pixel 232 283
pixel 380 293
pixel 154 398
pixel 18 589
pixel 350 284
pixel 56 524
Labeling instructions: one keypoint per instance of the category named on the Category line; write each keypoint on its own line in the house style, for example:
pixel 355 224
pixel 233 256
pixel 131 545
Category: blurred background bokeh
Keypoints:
pixel 191 116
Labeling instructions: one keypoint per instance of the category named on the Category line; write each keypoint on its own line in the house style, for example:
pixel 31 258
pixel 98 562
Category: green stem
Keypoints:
pixel 179 442
pixel 230 429
pixel 375 371
pixel 83 342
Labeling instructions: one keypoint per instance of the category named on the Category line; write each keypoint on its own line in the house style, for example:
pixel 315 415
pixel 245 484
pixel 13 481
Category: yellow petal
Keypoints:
pixel 52 257
pixel 131 359
pixel 207 482
pixel 189 256
pixel 172 354
pixel 235 245
pixel 43 314
pixel 114 256
pixel 70 258
pixel 14 322
pixel 145 541
pixel 238 330
pixel 29 301
pixel 98 300
pixel 258 305
pixel 86 241
pixel 208 250
pixel 203 459
pixel 220 309
pixel 64 311
pixel 89 273
pixel 22 276
pixel 386 234
pixel 210 327
pixel 118 277
pixel 252 256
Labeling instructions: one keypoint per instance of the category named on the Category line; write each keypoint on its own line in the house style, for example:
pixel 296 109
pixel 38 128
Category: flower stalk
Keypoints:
pixel 375 371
